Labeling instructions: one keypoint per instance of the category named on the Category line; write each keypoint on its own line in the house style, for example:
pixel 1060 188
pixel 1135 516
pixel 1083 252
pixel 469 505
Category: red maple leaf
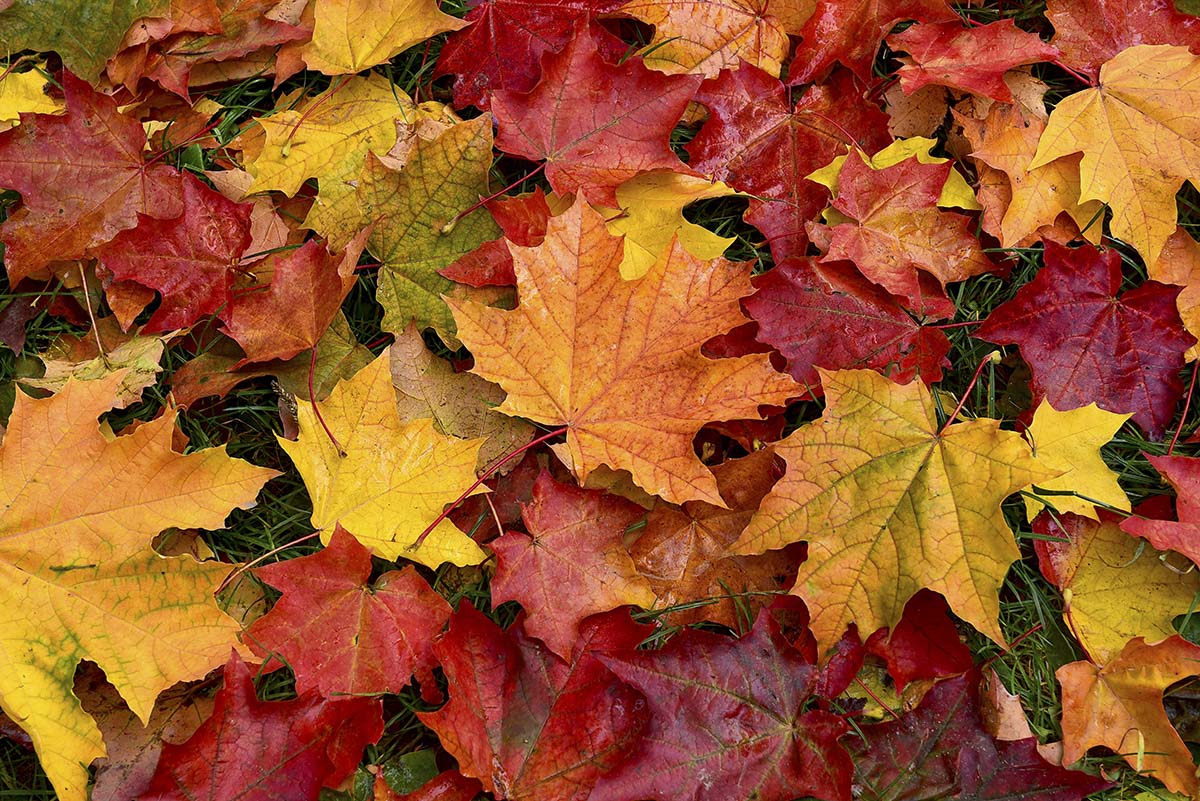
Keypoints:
pixel 82 178
pixel 595 123
pixel 252 750
pixel 1090 32
pixel 1183 535
pixel 524 722
pixel 728 721
pixel 1084 343
pixel 756 141
pixel 341 634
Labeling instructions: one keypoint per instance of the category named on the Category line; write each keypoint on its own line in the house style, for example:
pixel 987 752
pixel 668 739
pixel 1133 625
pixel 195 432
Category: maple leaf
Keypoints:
pixel 1085 344
pixel 925 644
pixel 460 404
pixel 1183 474
pixel 684 552
pixel 1144 104
pixel 328 138
pixel 855 325
pixel 1007 140
pixel 350 36
pixel 259 751
pixel 24 93
pixel 618 362
pixel 1069 442
pixel 343 636
pixel 890 503
pixel 188 259
pixel 503 46
pixel 707 36
pixel 1114 587
pixel 1179 263
pixel 523 220
pixel 970 59
pixel 756 141
pixel 595 124
pixel 417 228
pixel 306 292
pixel 84 35
pixel 1120 706
pixel 576 540
pixel 70 203
pixel 896 231
pixel 524 722
pixel 80 509
pixel 384 481
pixel 728 718
pixel 941 751
pixel 850 31
pixel 1090 32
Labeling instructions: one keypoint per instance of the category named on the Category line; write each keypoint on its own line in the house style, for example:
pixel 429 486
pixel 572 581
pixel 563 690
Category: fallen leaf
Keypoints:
pixel 1183 474
pixel 1179 264
pixel 1138 133
pixel 1069 443
pixel 595 124
pixel 389 480
pixel 684 552
pixel 1120 707
pixel 728 720
pixel 924 645
pixel 417 227
pixel 1091 32
pixel 350 36
pixel 258 751
pixel 879 492
pixel 631 402
pixel 1086 344
pixel 82 581
pixel 523 220
pixel 969 59
pixel 79 358
pixel 527 724
pixel 576 540
pixel 56 221
pixel 343 634
pixel 24 93
pixel 1114 586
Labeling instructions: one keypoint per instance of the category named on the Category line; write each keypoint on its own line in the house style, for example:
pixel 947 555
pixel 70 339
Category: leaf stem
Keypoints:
pixel 991 358
pixel 312 398
pixel 233 575
pixel 449 226
pixel 1186 406
pixel 484 476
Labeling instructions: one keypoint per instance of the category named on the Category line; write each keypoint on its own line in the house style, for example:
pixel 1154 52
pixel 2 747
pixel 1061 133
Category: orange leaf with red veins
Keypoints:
pixel 1090 32
pixel 188 259
pixel 756 141
pixel 1007 141
pixel 896 230
pixel 575 541
pixel 343 635
pixel 1120 706
pixel 970 59
pixel 291 314
pixel 684 552
pixel 596 124
pixel 528 725
pixel 850 31
pixel 82 179
pixel 618 362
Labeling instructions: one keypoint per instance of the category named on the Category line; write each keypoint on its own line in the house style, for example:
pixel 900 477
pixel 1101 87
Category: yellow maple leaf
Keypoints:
pixel 354 35
pixel 618 362
pixel 24 93
pixel 78 578
pixel 651 214
pixel 889 504
pixel 394 479
pixel 1139 133
pixel 1115 587
pixel 328 138
pixel 1069 443
pixel 707 36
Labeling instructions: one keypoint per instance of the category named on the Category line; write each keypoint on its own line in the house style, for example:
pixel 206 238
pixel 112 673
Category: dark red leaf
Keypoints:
pixel 1090 32
pixel 1183 474
pixel 924 644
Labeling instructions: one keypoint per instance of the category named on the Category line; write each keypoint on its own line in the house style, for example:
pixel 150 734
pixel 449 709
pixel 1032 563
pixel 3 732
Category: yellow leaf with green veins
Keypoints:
pixel 1139 133
pixel 417 230
pixel 890 504
pixel 78 578
pixel 1070 442
pixel 394 479
pixel 354 35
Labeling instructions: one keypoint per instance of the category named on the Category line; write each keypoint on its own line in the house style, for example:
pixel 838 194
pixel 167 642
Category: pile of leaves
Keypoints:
pixel 599 399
